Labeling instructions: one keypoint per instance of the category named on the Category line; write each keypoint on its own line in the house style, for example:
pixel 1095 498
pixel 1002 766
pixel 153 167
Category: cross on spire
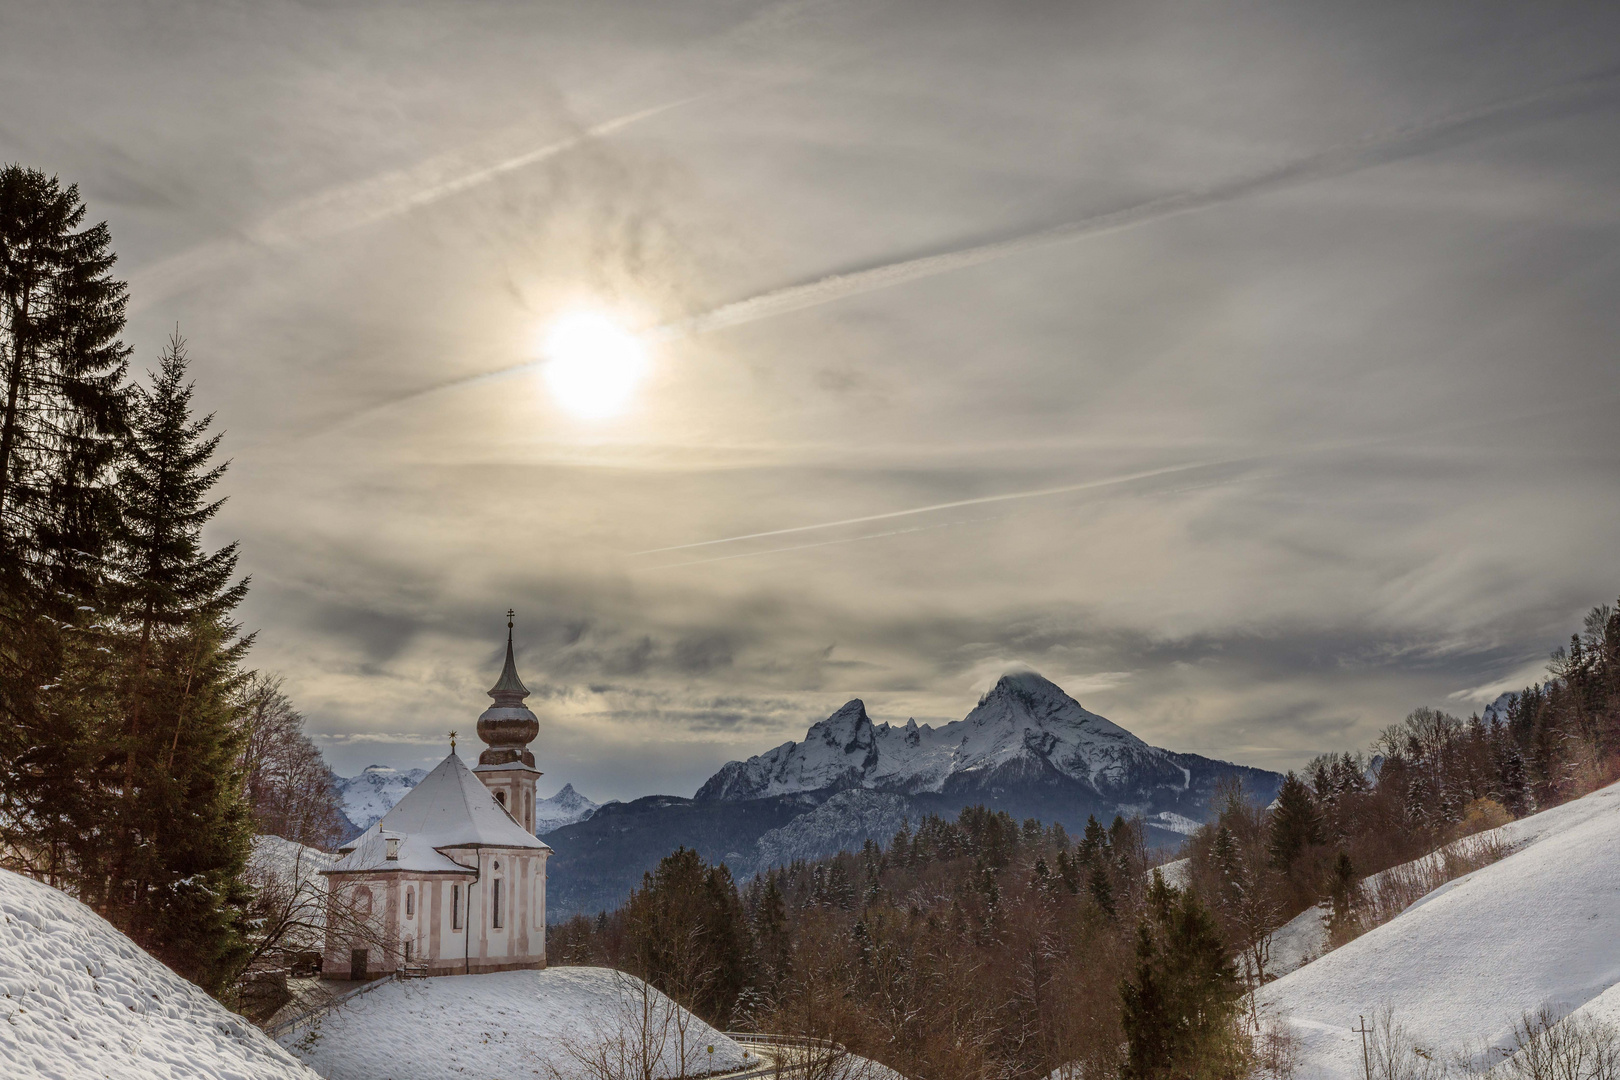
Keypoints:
pixel 509 691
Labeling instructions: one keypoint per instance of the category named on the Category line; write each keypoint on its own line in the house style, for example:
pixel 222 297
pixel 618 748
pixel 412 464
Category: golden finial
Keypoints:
pixel 452 742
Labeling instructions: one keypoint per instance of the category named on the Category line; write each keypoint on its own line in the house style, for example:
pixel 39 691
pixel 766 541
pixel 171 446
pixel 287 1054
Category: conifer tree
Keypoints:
pixel 183 828
pixel 1177 1008
pixel 63 419
pixel 1342 898
pixel 1295 824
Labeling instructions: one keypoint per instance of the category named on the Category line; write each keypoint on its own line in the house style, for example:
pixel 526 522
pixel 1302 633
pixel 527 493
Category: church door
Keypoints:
pixel 357 964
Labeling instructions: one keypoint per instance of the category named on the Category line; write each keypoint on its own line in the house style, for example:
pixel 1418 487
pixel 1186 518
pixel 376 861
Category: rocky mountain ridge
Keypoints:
pixel 1026 748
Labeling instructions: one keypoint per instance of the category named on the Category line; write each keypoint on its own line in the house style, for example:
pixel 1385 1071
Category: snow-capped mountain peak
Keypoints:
pixel 374 791
pixel 567 807
pixel 1024 729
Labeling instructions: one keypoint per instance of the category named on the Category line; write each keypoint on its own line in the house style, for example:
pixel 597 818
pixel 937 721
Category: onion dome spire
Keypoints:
pixel 509 690
pixel 508 726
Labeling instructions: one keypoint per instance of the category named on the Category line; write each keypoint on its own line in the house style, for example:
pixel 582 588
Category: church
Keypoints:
pixel 452 880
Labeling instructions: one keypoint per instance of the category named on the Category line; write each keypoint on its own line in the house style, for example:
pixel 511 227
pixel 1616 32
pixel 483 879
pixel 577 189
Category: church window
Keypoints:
pixel 410 903
pixel 407 950
pixel 528 810
pixel 500 797
pixel 455 907
pixel 495 905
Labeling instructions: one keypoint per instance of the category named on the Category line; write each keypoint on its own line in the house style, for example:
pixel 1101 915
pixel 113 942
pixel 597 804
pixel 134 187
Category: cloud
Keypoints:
pixel 362 203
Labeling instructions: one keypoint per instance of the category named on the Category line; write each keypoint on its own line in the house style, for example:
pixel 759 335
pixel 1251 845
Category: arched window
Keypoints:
pixel 495 904
pixel 410 903
pixel 500 797
pixel 528 810
pixel 455 906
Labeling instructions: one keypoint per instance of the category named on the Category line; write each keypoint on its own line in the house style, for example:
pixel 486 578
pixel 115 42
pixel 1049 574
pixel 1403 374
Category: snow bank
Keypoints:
pixel 83 1001
pixel 509 1024
pixel 288 865
pixel 1460 966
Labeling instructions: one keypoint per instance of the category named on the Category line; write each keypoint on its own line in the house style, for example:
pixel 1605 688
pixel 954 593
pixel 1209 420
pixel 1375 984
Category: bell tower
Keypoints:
pixel 507 727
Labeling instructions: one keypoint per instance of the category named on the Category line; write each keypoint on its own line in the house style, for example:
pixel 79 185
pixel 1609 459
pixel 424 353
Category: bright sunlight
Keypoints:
pixel 592 364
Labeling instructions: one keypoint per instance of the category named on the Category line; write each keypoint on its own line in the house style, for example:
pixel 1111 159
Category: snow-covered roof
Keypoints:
pixel 450 808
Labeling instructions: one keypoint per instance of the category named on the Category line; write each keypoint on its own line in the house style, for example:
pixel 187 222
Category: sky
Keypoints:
pixel 1247 367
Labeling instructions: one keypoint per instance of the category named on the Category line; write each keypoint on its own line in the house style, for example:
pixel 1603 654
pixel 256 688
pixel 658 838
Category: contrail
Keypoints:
pixel 1380 149
pixel 356 205
pixel 816 544
pixel 953 505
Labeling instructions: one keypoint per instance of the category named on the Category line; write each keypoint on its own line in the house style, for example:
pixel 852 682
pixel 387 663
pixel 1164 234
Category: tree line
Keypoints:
pixel 138 752
pixel 989 947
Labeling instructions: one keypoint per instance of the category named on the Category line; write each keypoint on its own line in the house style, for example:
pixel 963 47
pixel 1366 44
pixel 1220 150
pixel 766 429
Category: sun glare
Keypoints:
pixel 592 364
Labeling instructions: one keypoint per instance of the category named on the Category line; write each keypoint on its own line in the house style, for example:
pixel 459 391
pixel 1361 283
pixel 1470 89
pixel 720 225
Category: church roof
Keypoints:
pixel 449 808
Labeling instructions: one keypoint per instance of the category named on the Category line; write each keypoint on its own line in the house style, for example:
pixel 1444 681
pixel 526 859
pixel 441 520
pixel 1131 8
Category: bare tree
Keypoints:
pixel 1574 1048
pixel 641 1036
pixel 1393 1053
pixel 289 786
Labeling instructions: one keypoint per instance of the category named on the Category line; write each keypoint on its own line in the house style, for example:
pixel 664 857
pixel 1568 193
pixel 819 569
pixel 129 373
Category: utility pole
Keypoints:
pixel 1366 1060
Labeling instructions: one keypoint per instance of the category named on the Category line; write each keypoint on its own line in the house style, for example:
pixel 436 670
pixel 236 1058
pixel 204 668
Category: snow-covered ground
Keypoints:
pixel 82 1001
pixel 1463 964
pixel 509 1024
pixel 286 861
pixel 567 807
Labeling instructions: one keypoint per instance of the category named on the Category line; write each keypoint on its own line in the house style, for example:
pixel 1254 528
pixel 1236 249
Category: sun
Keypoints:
pixel 592 363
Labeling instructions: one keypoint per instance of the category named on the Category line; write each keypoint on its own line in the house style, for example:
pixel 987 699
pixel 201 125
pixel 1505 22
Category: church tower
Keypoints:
pixel 507 727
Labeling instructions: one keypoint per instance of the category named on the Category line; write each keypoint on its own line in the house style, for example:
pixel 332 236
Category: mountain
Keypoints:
pixel 567 807
pixel 371 794
pixel 1026 748
pixel 1025 733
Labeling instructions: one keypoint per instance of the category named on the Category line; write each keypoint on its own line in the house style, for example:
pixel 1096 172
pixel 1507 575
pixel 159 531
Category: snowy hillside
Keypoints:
pixel 371 794
pixel 83 1001
pixel 288 876
pixel 1026 730
pixel 1459 967
pixel 509 1024
pixel 567 807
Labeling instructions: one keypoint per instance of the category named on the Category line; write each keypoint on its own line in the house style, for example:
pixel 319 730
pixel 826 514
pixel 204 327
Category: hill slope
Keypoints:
pixel 507 1024
pixel 83 1001
pixel 1540 927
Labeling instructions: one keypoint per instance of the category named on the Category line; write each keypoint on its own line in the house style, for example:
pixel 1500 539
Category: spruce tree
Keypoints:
pixel 183 827
pixel 1295 824
pixel 1179 1004
pixel 63 420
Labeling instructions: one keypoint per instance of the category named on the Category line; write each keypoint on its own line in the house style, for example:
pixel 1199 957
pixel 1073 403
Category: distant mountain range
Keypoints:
pixel 1026 748
pixel 370 794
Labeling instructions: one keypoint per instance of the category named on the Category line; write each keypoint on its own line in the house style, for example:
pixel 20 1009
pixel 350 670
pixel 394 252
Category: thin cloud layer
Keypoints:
pixel 1301 416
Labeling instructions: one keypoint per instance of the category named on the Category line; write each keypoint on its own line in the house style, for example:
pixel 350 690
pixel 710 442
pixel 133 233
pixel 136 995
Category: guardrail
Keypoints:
pixel 803 1042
